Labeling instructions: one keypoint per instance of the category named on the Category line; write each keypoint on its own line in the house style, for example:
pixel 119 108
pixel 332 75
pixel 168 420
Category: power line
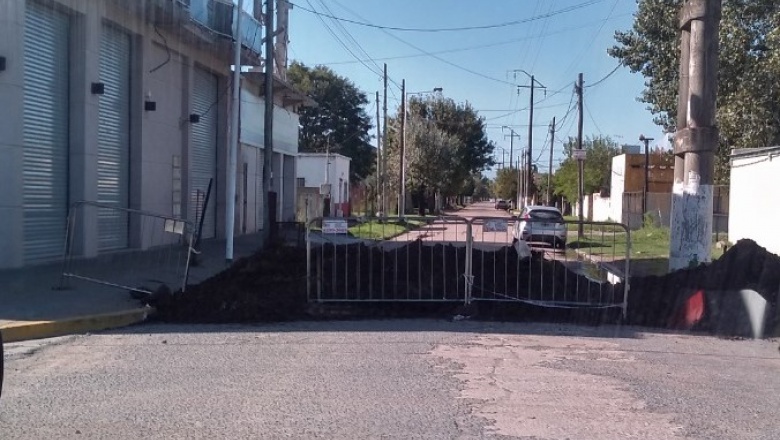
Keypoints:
pixel 451 29
pixel 582 53
pixel 587 110
pixel 605 77
pixel 475 47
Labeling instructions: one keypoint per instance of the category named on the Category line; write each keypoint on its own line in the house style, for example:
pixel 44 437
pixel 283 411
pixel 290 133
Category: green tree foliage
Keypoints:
pixel 505 185
pixel 748 90
pixel 468 149
pixel 339 119
pixel 598 167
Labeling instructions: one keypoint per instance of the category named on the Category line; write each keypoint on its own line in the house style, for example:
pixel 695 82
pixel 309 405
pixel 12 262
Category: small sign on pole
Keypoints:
pixel 578 154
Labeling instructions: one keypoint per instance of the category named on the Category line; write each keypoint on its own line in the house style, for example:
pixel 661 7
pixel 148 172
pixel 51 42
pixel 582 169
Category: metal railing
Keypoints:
pixel 481 259
pixel 126 248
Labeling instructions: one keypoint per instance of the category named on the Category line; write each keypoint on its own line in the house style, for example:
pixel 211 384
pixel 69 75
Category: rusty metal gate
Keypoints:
pixel 482 259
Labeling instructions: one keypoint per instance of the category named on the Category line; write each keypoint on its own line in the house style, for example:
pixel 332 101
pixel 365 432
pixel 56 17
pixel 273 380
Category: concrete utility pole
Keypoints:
pixel 646 188
pixel 235 108
pixel 550 170
pixel 384 150
pixel 512 135
pixel 378 188
pixel 268 129
pixel 580 161
pixel 402 173
pixel 697 135
pixel 529 162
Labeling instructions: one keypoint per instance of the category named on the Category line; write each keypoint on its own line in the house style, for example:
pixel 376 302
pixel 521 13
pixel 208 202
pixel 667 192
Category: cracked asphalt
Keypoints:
pixel 395 379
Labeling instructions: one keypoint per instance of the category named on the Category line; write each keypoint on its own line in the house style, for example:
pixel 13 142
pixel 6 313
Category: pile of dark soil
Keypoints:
pixel 746 265
pixel 269 286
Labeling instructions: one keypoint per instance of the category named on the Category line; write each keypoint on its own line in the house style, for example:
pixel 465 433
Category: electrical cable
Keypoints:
pixel 453 29
pixel 605 77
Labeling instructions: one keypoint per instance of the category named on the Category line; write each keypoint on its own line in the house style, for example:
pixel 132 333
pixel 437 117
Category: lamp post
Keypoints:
pixel 646 188
pixel 402 173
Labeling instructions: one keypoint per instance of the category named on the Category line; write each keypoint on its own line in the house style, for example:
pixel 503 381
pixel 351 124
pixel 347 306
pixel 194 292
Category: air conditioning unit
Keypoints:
pixel 220 17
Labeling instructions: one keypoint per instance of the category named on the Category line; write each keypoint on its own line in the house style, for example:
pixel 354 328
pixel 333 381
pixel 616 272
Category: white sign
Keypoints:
pixel 495 225
pixel 578 154
pixel 330 226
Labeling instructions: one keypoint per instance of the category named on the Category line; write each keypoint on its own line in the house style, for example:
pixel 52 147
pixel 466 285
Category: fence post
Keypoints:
pixel 469 275
pixel 627 283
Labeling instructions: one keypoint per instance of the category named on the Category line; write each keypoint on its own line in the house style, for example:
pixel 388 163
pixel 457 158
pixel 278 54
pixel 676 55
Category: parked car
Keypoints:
pixel 541 224
pixel 502 204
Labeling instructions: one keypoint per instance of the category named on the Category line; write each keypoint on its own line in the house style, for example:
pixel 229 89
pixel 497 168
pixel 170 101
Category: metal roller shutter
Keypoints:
pixel 114 138
pixel 45 117
pixel 203 151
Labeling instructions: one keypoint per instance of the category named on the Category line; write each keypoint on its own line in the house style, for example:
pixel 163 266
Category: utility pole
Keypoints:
pixel 512 136
pixel 235 108
pixel 550 170
pixel 646 188
pixel 697 135
pixel 378 188
pixel 402 173
pixel 580 160
pixel 384 150
pixel 529 162
pixel 268 121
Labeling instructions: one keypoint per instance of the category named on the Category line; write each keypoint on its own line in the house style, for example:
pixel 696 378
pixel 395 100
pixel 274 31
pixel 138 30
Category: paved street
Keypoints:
pixel 454 231
pixel 390 379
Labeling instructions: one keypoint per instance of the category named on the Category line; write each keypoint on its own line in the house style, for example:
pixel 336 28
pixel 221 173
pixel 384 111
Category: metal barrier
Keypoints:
pixel 549 264
pixel 387 259
pixel 482 259
pixel 126 248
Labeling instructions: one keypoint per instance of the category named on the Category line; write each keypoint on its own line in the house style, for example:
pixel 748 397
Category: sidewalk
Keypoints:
pixel 32 307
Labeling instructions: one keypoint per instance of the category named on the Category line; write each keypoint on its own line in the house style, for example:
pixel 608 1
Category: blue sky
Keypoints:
pixel 554 45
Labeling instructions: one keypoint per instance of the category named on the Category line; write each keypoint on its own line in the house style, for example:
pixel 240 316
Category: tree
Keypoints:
pixel 748 113
pixel 505 186
pixel 471 151
pixel 339 120
pixel 598 167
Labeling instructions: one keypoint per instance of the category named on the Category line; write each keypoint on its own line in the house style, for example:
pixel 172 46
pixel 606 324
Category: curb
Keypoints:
pixel 27 330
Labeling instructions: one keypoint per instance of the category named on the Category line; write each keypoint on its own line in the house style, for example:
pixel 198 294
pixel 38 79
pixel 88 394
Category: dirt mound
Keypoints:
pixel 746 265
pixel 269 286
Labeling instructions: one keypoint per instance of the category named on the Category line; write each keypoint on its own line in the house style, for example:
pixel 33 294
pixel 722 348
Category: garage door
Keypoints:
pixel 114 139
pixel 45 117
pixel 203 151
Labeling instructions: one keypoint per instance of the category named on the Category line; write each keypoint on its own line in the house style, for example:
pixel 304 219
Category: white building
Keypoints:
pixel 126 103
pixel 318 169
pixel 753 211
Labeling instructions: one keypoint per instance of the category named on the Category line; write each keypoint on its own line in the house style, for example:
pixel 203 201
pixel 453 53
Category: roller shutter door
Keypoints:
pixel 45 116
pixel 203 151
pixel 114 139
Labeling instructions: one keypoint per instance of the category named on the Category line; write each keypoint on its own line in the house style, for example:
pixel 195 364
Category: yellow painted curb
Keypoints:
pixel 23 331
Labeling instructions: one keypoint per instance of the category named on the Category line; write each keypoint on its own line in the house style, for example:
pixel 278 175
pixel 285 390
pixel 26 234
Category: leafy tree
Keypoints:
pixel 598 167
pixel 339 119
pixel 748 112
pixel 505 186
pixel 465 131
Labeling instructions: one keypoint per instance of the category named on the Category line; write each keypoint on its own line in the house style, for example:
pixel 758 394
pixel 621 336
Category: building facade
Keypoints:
pixel 332 170
pixel 126 103
pixel 753 211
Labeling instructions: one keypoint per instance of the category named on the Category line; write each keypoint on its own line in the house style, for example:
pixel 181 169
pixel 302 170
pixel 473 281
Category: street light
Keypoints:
pixel 402 177
pixel 646 140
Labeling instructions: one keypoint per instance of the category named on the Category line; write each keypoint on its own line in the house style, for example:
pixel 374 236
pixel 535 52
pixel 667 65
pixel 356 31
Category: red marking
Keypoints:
pixel 689 313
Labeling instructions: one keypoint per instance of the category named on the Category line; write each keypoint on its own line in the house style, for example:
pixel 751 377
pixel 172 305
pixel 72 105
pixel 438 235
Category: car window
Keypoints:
pixel 543 214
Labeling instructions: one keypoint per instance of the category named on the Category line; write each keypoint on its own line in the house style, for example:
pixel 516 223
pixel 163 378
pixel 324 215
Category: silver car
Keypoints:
pixel 541 224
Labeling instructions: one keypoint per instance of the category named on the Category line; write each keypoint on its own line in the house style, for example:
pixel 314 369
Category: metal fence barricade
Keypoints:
pixel 126 248
pixel 417 259
pixel 550 264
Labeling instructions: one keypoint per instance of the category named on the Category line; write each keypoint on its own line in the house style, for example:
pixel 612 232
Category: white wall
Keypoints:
pixel 617 187
pixel 602 208
pixel 753 210
pixel 313 168
pixel 253 123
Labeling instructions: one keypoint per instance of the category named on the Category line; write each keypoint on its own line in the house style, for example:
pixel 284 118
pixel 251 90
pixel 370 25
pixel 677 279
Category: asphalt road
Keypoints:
pixel 390 379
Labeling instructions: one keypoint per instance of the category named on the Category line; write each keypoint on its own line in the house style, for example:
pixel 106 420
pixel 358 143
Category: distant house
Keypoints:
pixel 753 208
pixel 323 185
pixel 627 188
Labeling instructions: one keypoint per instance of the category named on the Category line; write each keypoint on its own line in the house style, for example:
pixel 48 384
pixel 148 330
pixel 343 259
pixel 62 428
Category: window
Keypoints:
pixel 301 182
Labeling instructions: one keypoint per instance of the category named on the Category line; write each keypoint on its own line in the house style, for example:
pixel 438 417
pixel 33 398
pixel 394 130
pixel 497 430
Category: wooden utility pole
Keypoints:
pixel 384 150
pixel 696 139
pixel 580 161
pixel 646 188
pixel 402 172
pixel 550 170
pixel 378 188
